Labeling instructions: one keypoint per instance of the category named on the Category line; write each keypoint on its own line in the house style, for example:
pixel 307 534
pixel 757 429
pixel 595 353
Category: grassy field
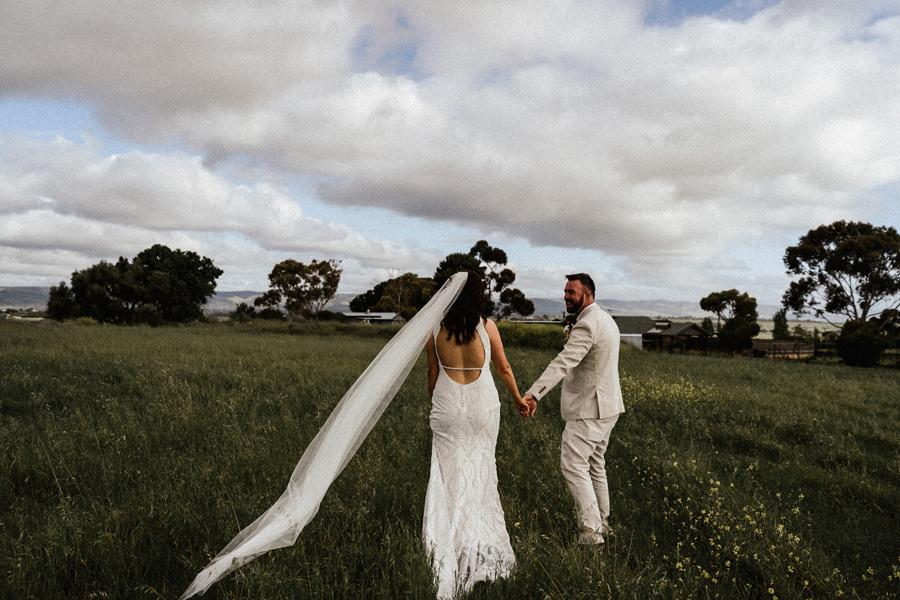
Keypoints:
pixel 133 455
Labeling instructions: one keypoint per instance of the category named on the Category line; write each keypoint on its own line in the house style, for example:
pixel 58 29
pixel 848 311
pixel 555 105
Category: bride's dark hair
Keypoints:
pixel 464 314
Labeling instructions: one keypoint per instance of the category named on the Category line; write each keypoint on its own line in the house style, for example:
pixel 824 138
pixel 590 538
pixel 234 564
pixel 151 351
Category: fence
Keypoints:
pixel 785 349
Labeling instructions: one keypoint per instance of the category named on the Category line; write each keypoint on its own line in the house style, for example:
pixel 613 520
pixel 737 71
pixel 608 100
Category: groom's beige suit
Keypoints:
pixel 590 403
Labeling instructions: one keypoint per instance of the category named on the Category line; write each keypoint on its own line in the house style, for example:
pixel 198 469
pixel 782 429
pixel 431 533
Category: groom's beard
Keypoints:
pixel 577 307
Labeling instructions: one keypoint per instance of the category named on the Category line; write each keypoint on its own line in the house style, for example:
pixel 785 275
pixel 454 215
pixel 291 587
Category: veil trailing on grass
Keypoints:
pixel 334 445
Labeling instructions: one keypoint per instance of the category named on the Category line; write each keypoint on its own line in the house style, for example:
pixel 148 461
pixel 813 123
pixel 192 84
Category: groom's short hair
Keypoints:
pixel 585 280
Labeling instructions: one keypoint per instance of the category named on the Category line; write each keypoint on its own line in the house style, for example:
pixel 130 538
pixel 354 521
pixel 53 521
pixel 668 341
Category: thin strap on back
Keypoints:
pixel 485 343
pixel 434 335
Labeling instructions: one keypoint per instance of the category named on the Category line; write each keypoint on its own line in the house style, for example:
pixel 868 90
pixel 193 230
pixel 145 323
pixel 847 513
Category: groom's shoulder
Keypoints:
pixel 592 314
pixel 589 319
pixel 597 319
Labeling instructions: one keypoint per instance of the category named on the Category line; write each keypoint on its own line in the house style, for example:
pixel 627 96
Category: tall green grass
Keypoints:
pixel 133 455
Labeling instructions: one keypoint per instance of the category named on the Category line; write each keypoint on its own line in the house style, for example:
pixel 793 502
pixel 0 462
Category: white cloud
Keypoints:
pixel 69 196
pixel 570 125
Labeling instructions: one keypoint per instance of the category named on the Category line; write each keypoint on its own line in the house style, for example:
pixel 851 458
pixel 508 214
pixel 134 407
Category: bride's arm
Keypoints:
pixel 432 365
pixel 498 359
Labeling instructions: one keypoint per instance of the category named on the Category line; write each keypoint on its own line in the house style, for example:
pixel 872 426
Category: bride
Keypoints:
pixel 463 529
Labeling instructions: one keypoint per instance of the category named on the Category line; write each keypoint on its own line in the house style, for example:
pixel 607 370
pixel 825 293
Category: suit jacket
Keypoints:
pixel 588 366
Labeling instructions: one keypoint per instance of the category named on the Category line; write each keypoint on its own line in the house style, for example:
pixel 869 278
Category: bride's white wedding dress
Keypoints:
pixel 463 527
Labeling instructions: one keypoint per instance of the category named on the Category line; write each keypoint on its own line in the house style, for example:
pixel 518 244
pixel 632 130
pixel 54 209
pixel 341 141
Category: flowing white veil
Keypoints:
pixel 334 445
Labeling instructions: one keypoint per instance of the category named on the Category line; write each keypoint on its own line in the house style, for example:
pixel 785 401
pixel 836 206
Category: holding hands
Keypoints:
pixel 526 405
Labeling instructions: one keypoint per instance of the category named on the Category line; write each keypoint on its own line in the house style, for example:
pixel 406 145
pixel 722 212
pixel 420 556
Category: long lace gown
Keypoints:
pixel 463 527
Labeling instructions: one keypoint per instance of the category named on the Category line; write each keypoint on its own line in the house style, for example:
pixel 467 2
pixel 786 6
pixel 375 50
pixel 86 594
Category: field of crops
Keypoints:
pixel 132 455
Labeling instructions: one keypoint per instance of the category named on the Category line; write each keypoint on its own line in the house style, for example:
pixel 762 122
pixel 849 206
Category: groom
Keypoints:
pixel 591 402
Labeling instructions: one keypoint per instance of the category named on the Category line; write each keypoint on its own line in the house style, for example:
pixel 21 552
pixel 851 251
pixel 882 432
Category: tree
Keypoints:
pixel 488 262
pixel 800 334
pixel 159 285
pixel 61 303
pixel 780 329
pixel 846 268
pixel 404 294
pixel 365 301
pixel 173 284
pixel 497 277
pixel 738 311
pixel 707 325
pixel 737 335
pixel 103 292
pixel 454 263
pixel 850 269
pixel 514 301
pixel 304 289
pixel 730 304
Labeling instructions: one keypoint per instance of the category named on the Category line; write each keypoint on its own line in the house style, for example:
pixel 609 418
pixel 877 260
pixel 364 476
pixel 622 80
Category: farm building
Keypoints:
pixel 373 317
pixel 666 335
pixel 632 329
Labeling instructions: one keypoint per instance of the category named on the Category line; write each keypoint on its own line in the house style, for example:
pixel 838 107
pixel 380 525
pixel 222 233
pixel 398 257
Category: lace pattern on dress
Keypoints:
pixel 463 528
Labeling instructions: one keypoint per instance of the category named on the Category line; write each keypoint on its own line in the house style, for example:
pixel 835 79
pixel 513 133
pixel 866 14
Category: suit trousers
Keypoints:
pixel 582 462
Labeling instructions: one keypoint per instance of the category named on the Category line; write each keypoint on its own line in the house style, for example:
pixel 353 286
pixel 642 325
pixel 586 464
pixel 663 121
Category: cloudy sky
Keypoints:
pixel 670 148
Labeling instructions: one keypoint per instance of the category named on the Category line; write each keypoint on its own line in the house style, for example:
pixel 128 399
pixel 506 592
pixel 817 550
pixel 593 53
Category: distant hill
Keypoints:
pixel 645 308
pixel 24 297
pixel 225 301
pixel 671 308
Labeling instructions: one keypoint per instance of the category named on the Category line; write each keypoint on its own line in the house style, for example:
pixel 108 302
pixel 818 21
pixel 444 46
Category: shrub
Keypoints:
pixel 860 344
pixel 270 313
pixel 327 315
pixel 243 312
pixel 737 334
pixel 550 337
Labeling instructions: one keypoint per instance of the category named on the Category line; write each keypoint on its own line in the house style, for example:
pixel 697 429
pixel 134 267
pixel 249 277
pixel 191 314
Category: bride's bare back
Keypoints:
pixel 462 362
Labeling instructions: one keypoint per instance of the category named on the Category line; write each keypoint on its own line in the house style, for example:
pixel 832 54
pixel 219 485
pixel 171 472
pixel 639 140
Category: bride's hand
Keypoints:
pixel 522 406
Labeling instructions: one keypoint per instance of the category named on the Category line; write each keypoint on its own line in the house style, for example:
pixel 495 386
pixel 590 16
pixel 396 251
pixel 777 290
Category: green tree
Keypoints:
pixel 846 268
pixel 61 303
pixel 103 292
pixel 404 294
pixel 800 334
pixel 737 335
pixel 368 299
pixel 730 304
pixel 304 289
pixel 737 315
pixel 851 269
pixel 173 284
pixel 707 325
pixel 498 277
pixel 488 262
pixel 780 329
pixel 159 285
pixel 514 301
pixel 454 263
